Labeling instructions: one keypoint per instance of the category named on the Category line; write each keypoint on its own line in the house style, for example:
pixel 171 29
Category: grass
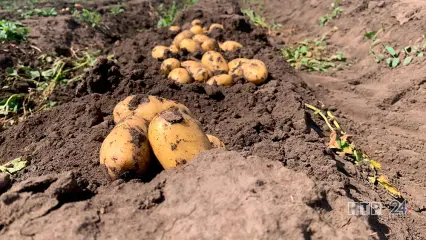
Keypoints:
pixel 117 10
pixel 46 12
pixel 334 13
pixel 260 21
pixel 168 14
pixel 44 80
pixel 12 31
pixel 88 17
pixel 312 55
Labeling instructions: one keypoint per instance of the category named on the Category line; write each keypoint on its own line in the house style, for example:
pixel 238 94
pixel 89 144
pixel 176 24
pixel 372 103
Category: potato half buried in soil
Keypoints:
pixel 215 62
pixel 215 141
pixel 176 138
pixel 180 75
pixel 125 152
pixel 255 71
pixel 168 65
pixel 123 109
pixel 220 80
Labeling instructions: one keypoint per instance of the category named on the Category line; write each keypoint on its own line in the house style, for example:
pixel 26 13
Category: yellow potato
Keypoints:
pixel 174 49
pixel 215 62
pixel 152 105
pixel 160 52
pixel 230 46
pixel 126 152
pixel 200 38
pixel 180 75
pixel 123 109
pixel 176 138
pixel 215 25
pixel 215 141
pixel 197 71
pixel 221 80
pixel 186 34
pixel 168 65
pixel 196 29
pixel 209 45
pixel 196 22
pixel 174 28
pixel 189 45
pixel 255 71
pixel 235 67
pixel 189 63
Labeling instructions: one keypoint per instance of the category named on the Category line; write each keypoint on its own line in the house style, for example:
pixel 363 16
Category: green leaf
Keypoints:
pixel 14 166
pixel 389 61
pixel 408 60
pixel 381 56
pixel 421 54
pixel 391 51
pixel 395 62
pixel 370 35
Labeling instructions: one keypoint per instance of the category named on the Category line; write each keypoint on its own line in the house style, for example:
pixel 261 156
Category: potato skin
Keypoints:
pixel 196 22
pixel 174 49
pixel 235 67
pixel 159 52
pixel 230 46
pixel 200 38
pixel 186 34
pixel 215 141
pixel 122 109
pixel 154 105
pixel 189 45
pixel 220 80
pixel 209 45
pixel 168 65
pixel 174 28
pixel 180 75
pixel 126 152
pixel 197 71
pixel 176 138
pixel 255 71
pixel 215 25
pixel 196 29
pixel 215 62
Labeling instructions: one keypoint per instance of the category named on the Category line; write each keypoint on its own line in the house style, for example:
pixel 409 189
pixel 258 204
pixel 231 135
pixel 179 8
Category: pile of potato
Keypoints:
pixel 213 67
pixel 156 129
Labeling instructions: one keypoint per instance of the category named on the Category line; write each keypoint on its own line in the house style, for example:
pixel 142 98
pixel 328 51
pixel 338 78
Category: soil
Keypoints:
pixel 276 180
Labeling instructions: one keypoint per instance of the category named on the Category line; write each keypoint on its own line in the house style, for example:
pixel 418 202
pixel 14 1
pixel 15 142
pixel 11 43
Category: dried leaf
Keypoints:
pixel 372 179
pixel 334 141
pixel 375 165
pixel 384 181
pixel 14 166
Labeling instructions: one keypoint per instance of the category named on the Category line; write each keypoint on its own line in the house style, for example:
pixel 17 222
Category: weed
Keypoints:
pixel 260 21
pixel 12 31
pixel 341 145
pixel 86 16
pixel 39 12
pixel 117 10
pixel 312 56
pixel 334 13
pixel 168 15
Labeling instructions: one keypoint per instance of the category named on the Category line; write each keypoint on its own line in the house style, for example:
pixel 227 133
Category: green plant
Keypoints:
pixel 12 31
pixel 86 16
pixel 14 166
pixel 39 12
pixel 259 20
pixel 117 10
pixel 312 56
pixel 341 145
pixel 168 14
pixel 334 13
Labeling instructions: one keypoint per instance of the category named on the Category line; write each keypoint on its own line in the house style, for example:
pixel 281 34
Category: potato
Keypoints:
pixel 200 38
pixel 215 25
pixel 174 28
pixel 230 46
pixel 180 75
pixel 196 29
pixel 189 45
pixel 215 141
pixel 221 80
pixel 215 62
pixel 209 45
pixel 255 71
pixel 189 63
pixel 176 138
pixel 196 22
pixel 186 34
pixel 174 49
pixel 168 65
pixel 235 67
pixel 197 71
pixel 123 109
pixel 126 150
pixel 160 52
pixel 152 105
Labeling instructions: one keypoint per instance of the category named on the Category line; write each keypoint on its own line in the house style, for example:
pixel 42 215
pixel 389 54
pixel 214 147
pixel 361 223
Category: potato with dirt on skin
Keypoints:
pixel 174 49
pixel 186 34
pixel 150 106
pixel 174 29
pixel 196 29
pixel 160 52
pixel 230 46
pixel 176 138
pixel 235 67
pixel 220 80
pixel 197 71
pixel 180 75
pixel 200 38
pixel 209 45
pixel 215 141
pixel 123 109
pixel 126 151
pixel 215 62
pixel 189 45
pixel 255 71
pixel 196 22
pixel 215 25
pixel 168 65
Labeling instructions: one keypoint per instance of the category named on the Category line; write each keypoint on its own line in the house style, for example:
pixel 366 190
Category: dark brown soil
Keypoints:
pixel 250 194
